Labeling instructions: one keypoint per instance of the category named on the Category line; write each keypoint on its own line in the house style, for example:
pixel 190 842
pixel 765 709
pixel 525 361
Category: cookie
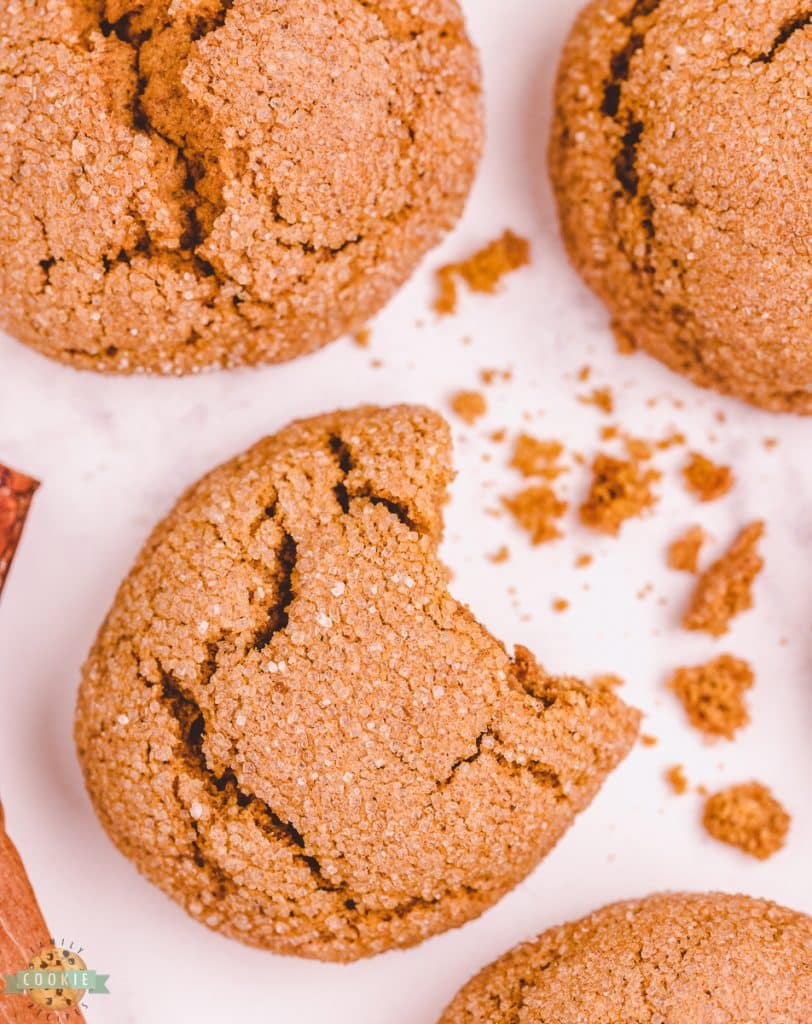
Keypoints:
pixel 668 959
pixel 680 161
pixel 290 725
pixel 214 183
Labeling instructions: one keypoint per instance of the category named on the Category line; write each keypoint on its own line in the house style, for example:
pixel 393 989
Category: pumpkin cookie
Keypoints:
pixel 289 724
pixel 668 959
pixel 212 183
pixel 681 163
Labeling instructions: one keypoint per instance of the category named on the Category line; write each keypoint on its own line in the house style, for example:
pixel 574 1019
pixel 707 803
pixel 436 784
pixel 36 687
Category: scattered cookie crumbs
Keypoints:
pixel 683 553
pixel 726 588
pixel 501 556
pixel 363 337
pixel 672 441
pixel 469 406
pixel 609 432
pixel 536 509
pixel 498 436
pixel 560 604
pixel 748 817
pixel 770 443
pixel 707 480
pixel 584 560
pixel 713 695
pixel 584 373
pixel 482 272
pixel 601 398
pixel 648 740
pixel 533 457
pixel 675 776
pixel 620 490
pixel 490 376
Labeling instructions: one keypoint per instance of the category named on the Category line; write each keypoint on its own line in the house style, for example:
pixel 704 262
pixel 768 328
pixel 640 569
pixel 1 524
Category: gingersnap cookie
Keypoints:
pixel 212 183
pixel 290 725
pixel 669 959
pixel 681 163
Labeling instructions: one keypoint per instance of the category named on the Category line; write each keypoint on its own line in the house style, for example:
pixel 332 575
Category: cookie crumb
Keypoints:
pixel 648 741
pixel 560 604
pixel 637 448
pixel 620 490
pixel 498 436
pixel 536 509
pixel 683 553
pixel 500 556
pixel 707 480
pixel 675 776
pixel 469 406
pixel 363 337
pixel 482 272
pixel 533 457
pixel 713 694
pixel 726 589
pixel 584 560
pixel 601 398
pixel 748 817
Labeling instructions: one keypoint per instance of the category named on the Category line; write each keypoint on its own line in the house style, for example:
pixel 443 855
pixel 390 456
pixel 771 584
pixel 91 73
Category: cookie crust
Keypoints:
pixel 213 183
pixel 668 959
pixel 291 727
pixel 681 164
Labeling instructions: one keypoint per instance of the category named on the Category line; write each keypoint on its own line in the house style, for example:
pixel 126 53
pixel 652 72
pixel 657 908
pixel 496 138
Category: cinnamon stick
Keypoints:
pixel 16 492
pixel 23 932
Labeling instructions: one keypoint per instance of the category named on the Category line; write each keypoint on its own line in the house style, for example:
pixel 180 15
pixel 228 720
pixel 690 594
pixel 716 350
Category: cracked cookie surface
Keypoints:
pixel 188 184
pixel 289 724
pixel 681 162
pixel 668 959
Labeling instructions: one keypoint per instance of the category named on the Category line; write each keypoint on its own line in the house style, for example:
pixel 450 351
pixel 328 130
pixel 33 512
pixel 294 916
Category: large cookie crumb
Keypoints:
pixel 537 510
pixel 483 271
pixel 469 406
pixel 748 817
pixel 683 553
pixel 621 489
pixel 726 589
pixel 706 479
pixel 713 695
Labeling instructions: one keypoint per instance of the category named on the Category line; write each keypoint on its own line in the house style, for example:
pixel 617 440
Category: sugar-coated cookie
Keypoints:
pixel 682 166
pixel 290 725
pixel 668 959
pixel 212 183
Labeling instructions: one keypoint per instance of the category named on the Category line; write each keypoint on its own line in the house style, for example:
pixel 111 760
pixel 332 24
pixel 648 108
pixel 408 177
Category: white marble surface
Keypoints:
pixel 113 454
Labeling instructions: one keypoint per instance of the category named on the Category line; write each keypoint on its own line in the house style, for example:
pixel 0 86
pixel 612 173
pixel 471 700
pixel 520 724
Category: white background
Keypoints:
pixel 113 455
